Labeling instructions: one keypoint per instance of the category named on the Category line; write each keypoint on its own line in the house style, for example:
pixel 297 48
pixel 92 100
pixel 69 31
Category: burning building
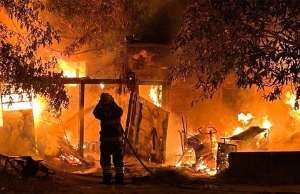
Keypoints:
pixel 230 112
pixel 143 67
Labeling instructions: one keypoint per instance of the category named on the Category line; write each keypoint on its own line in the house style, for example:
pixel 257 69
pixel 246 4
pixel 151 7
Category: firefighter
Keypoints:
pixel 111 138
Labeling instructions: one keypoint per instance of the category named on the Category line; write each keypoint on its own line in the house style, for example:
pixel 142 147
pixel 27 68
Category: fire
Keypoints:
pixel 17 103
pixel 238 130
pixel 72 69
pixel 290 99
pixel 178 164
pixel 205 164
pixel 102 86
pixel 245 119
pixel 188 158
pixel 156 95
pixel 201 166
pixel 39 105
pixel 68 157
pixel 36 104
pixel 266 123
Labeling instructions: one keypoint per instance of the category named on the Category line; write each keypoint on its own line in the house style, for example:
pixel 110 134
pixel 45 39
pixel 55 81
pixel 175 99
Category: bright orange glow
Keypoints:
pixel 102 86
pixel 238 130
pixel 178 164
pixel 245 119
pixel 72 69
pixel 17 103
pixel 201 166
pixel 1 117
pixel 266 123
pixel 188 158
pixel 156 95
pixel 261 140
pixel 290 99
pixel 37 105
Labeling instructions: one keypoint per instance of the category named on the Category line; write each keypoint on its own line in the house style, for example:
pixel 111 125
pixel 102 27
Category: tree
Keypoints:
pixel 96 25
pixel 84 26
pixel 22 70
pixel 256 41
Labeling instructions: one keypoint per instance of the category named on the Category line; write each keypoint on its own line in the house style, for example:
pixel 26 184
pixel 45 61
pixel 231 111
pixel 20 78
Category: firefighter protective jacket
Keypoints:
pixel 110 117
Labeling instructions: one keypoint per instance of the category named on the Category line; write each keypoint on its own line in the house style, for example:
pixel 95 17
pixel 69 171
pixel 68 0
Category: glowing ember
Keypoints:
pixel 201 166
pixel 188 158
pixel 178 164
pixel 70 158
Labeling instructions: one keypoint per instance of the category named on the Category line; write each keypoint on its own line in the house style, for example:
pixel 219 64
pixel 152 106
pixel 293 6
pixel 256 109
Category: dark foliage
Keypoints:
pixel 256 41
pixel 23 72
pixel 96 24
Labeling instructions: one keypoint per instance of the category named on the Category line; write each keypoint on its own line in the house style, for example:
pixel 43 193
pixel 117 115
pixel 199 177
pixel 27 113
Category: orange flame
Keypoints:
pixel 290 99
pixel 245 119
pixel 156 95
pixel 72 69
pixel 266 123
pixel 238 130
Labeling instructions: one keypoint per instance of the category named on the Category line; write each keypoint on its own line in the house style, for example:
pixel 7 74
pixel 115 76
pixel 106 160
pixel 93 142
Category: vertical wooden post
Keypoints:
pixel 128 120
pixel 81 119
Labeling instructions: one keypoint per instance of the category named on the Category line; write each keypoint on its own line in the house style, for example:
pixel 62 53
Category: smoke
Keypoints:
pixel 17 133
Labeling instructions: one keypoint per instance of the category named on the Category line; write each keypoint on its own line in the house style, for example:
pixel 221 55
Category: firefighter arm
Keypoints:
pixel 121 112
pixel 97 111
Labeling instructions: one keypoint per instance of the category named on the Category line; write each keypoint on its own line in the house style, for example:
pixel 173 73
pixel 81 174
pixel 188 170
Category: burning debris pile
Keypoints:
pixel 250 138
pixel 209 156
pixel 197 149
pixel 246 139
pixel 67 153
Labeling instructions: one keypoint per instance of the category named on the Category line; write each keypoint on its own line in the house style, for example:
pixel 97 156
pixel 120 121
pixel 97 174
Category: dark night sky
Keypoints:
pixel 164 25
